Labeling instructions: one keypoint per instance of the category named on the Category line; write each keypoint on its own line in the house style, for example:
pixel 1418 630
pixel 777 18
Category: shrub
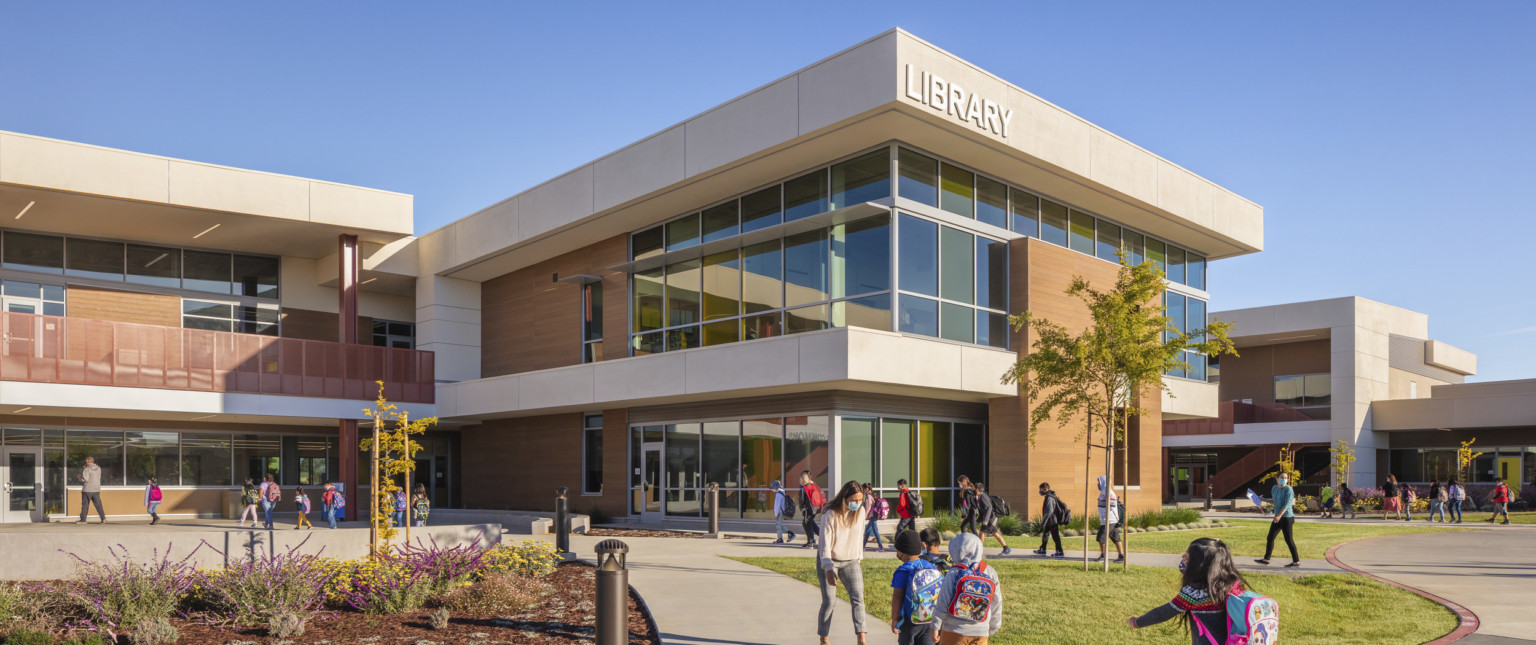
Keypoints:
pixel 155 631
pixel 28 637
pixel 439 618
pixel 408 578
pixel 285 626
pixel 91 638
pixel 121 593
pixel 498 595
pixel 945 522
pixel 533 558
pixel 1011 524
pixel 250 592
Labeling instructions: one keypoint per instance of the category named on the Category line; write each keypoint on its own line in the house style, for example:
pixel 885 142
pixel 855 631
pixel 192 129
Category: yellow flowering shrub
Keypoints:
pixel 532 558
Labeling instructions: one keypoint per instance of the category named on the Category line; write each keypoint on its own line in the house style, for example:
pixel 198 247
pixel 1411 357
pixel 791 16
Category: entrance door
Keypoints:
pixel 21 484
pixel 650 482
pixel 1197 479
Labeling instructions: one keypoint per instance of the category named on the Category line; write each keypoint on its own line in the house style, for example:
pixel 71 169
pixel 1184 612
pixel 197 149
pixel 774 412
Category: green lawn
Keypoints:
pixel 1246 537
pixel 1056 602
pixel 1524 517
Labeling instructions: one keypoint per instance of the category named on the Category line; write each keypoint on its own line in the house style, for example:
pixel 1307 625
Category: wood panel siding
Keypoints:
pixel 1251 374
pixel 531 322
pixel 123 306
pixel 836 401
pixel 309 324
pixel 517 463
pixel 1039 276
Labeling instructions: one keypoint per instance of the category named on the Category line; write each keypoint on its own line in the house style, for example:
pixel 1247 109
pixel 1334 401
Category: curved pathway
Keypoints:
pixel 1491 573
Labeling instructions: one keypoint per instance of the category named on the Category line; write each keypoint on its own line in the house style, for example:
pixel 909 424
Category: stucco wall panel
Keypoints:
pixel 647 166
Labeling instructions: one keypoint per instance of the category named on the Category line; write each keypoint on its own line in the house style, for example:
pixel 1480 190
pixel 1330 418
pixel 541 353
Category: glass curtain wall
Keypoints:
pixel 929 455
pixel 953 284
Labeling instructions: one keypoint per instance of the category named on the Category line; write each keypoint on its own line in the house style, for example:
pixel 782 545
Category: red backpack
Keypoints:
pixel 813 493
pixel 975 596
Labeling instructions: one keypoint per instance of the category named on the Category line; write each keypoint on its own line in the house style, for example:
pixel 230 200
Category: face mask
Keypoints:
pixel 1042 493
pixel 1183 563
pixel 853 506
pixel 1284 481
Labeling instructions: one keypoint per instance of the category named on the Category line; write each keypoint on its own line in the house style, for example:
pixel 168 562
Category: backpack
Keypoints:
pixel 813 495
pixel 1457 492
pixel 1256 622
pixel 338 501
pixel 399 500
pixel 303 504
pixel 248 496
pixel 274 493
pixel 881 508
pixel 923 594
pixel 914 503
pixel 975 594
pixel 1063 514
pixel 154 494
pixel 789 504
pixel 1000 507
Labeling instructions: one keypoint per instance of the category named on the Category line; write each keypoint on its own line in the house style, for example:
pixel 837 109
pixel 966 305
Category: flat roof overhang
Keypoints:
pixel 1471 406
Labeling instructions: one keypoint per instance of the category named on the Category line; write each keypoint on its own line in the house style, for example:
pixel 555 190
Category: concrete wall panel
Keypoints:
pixel 645 167
pixel 555 203
pixel 1122 166
pixel 82 168
pixel 238 191
pixel 718 137
pixel 853 82
pixel 354 207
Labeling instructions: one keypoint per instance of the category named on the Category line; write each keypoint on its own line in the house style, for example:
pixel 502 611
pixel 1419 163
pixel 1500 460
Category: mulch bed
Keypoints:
pixel 566 617
pixel 638 533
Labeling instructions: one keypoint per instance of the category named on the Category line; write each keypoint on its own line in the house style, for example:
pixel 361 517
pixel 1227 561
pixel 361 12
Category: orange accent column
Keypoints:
pixel 346 322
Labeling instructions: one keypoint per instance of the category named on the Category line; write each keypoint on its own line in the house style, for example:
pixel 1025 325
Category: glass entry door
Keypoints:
pixel 650 482
pixel 21 484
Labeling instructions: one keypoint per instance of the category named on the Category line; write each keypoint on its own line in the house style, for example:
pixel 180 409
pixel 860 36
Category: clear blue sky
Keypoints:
pixel 1390 143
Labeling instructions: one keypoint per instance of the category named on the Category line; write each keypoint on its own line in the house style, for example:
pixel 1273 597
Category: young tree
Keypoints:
pixel 1102 371
pixel 1343 458
pixel 1464 457
pixel 393 455
pixel 1285 464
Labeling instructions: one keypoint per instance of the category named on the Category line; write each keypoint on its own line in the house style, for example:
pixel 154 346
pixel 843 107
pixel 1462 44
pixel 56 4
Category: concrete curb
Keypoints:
pixel 1468 620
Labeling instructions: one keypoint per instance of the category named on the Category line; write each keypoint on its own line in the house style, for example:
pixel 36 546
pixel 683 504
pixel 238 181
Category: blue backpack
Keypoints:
pixel 1252 619
pixel 923 594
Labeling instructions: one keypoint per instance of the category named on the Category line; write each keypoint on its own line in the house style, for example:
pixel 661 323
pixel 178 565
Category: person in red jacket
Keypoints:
pixel 1500 500
pixel 904 508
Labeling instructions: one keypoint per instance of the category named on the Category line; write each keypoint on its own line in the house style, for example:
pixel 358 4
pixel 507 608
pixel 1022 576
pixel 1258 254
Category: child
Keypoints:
pixel 301 503
pixel 421 506
pixel 931 542
pixel 401 503
pixel 1346 501
pixel 872 517
pixel 328 501
pixel 250 497
pixel 1327 495
pixel 912 615
pixel 981 615
pixel 152 498
pixel 1051 514
pixel 906 507
pixel 989 523
pixel 1208 576
pixel 1500 499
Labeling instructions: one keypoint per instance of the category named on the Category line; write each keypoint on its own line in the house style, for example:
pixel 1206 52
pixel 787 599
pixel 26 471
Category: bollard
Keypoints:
pixel 562 521
pixel 612 593
pixel 713 504
pixel 1209 494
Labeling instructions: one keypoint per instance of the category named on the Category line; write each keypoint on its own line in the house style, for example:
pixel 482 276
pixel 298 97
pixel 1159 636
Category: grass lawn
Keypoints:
pixel 1522 517
pixel 1056 602
pixel 1246 537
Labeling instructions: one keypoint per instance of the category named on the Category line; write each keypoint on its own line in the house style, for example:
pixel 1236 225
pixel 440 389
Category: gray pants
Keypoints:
pixel 86 499
pixel 852 578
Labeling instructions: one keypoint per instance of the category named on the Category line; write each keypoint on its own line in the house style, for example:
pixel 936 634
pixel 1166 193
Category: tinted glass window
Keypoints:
pixel 683 293
pixel 991 202
pixel 1134 244
pixel 722 443
pixel 762 208
pixel 1194 316
pixel 957 323
pixel 93 259
pixel 1026 213
pixel 256 276
pixel 992 329
pixel 1082 233
pixel 861 256
pixel 158 266
pixel 33 252
pixel 722 285
pixel 205 271
pixel 895 452
pixel 722 332
pixel 862 179
pixel 1109 241
pixel 648 300
pixel 870 312
pixel 918 255
pixel 762 285
pixel 805 268
pixel 1157 254
pixel 683 233
pixel 1175 311
pixel 957 255
pixel 764 326
pixel 1175 264
pixel 720 221
pixel 957 190
pixel 1053 222
pixel 859 443
pixel 812 318
pixel 919 180
pixel 805 448
pixel 762 451
pixel 805 196
pixel 647 243
pixel 918 316
pixel 685 338
pixel 991 273
pixel 1194 270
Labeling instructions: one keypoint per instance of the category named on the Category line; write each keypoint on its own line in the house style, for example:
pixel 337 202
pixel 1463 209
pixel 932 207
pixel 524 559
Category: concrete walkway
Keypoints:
pixel 1492 573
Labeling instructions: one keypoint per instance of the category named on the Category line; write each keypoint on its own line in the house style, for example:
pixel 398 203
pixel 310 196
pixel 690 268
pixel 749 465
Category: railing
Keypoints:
pixel 1231 413
pixel 1225 482
pixel 84 351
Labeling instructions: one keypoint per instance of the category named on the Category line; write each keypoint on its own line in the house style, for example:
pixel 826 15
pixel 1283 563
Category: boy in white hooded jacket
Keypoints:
pixel 965 550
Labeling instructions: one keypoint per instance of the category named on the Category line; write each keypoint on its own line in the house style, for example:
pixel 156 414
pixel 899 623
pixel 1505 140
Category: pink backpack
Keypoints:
pixel 154 493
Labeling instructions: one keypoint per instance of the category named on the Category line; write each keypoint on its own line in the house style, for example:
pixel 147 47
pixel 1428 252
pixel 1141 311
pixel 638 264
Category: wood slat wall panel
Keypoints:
pixel 529 322
pixel 789 404
pixel 517 463
pixel 123 306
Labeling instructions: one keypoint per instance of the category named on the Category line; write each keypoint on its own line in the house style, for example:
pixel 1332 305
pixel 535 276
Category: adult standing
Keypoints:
pixel 1051 510
pixel 970 500
pixel 1389 500
pixel 1500 498
pixel 90 490
pixel 780 512
pixel 1109 522
pixel 1454 495
pixel 839 557
pixel 811 499
pixel 271 494
pixel 1284 498
pixel 1436 501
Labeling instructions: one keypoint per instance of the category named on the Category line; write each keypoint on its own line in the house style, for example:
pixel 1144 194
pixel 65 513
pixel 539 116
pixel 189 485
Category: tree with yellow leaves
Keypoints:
pixel 1464 457
pixel 393 454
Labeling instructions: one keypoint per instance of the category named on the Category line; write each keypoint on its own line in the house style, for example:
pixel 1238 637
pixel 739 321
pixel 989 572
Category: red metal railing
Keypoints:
pixel 1230 413
pixel 84 351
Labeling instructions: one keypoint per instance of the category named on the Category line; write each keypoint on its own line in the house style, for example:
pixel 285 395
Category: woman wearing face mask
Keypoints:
pixel 839 554
pixel 1284 496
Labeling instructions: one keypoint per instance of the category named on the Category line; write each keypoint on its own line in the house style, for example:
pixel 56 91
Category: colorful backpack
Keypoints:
pixel 423 506
pixel 399 500
pixel 274 493
pixel 975 594
pixel 250 496
pixel 304 504
pixel 1252 619
pixel 338 501
pixel 788 502
pixel 923 594
pixel 882 508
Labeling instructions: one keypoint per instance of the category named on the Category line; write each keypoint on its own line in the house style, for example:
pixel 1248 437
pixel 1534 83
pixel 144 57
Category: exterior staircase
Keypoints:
pixel 1227 481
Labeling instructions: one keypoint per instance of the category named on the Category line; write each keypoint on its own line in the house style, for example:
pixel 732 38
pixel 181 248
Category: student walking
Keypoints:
pixel 970 605
pixel 152 497
pixel 1346 501
pixel 782 510
pixel 909 507
pixel 1436 501
pixel 1390 503
pixel 421 506
pixel 811 500
pixel 995 507
pixel 401 503
pixel 1109 522
pixel 1500 498
pixel 250 498
pixel 839 556
pixel 969 500
pixel 1284 498
pixel 1208 576
pixel 1052 512
pixel 332 502
pixel 271 494
pixel 933 543
pixel 1409 497
pixel 90 490
pixel 876 512
pixel 301 504
pixel 1328 501
pixel 1455 494
pixel 914 591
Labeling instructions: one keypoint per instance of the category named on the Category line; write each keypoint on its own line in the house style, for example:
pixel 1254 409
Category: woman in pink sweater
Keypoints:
pixel 839 556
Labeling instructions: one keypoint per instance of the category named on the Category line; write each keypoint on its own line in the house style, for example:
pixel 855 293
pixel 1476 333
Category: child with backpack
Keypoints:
pixel 1500 499
pixel 995 508
pixel 783 509
pixel 970 603
pixel 250 497
pixel 877 511
pixel 152 497
pixel 915 591
pixel 1346 501
pixel 811 499
pixel 909 506
pixel 1053 515
pixel 332 503
pixel 421 506
pixel 1455 494
pixel 301 504
pixel 932 541
pixel 1214 601
pixel 401 503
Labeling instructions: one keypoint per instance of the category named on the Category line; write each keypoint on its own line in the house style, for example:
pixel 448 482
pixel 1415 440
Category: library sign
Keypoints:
pixel 951 99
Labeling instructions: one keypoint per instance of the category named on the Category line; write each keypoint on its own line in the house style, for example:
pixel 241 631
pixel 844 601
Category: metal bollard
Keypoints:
pixel 562 521
pixel 713 504
pixel 612 593
pixel 1209 495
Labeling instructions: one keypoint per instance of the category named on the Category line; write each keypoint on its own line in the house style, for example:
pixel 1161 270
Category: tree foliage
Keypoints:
pixel 1343 458
pixel 1285 464
pixel 397 455
pixel 1464 457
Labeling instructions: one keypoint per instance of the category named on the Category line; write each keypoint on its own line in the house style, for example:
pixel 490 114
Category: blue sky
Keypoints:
pixel 1391 143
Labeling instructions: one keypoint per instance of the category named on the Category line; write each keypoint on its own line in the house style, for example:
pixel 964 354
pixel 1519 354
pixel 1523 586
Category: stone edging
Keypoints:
pixel 1468 620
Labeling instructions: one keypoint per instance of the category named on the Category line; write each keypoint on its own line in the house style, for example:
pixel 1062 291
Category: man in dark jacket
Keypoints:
pixel 1050 517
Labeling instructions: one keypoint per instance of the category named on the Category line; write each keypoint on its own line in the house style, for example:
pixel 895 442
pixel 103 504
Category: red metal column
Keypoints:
pixel 346 332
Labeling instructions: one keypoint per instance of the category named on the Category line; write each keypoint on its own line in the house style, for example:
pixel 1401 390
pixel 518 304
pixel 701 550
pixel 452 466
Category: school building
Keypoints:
pixel 813 276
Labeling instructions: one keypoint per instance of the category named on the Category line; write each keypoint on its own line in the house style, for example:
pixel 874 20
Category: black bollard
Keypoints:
pixel 562 521
pixel 612 593
pixel 714 509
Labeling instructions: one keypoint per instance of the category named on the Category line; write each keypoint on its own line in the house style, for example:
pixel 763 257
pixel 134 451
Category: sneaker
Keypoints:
pixel 778 541
pixel 1007 550
pixel 1489 520
pixel 1120 560
pixel 80 522
pixel 1059 555
pixel 1039 551
pixel 791 537
pixel 880 550
pixel 1293 564
pixel 1263 562
pixel 1504 522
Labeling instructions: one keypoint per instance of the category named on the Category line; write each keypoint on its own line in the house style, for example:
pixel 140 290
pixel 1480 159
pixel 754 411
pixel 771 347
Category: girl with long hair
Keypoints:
pixel 839 554
pixel 1208 577
pixel 250 496
pixel 1390 502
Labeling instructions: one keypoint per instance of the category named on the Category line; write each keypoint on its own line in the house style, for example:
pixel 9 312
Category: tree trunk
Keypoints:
pixel 1125 491
pixel 1087 472
pixel 1109 482
pixel 373 492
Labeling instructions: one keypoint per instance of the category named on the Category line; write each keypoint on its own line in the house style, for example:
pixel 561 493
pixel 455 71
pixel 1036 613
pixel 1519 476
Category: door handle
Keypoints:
pixel 7 487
